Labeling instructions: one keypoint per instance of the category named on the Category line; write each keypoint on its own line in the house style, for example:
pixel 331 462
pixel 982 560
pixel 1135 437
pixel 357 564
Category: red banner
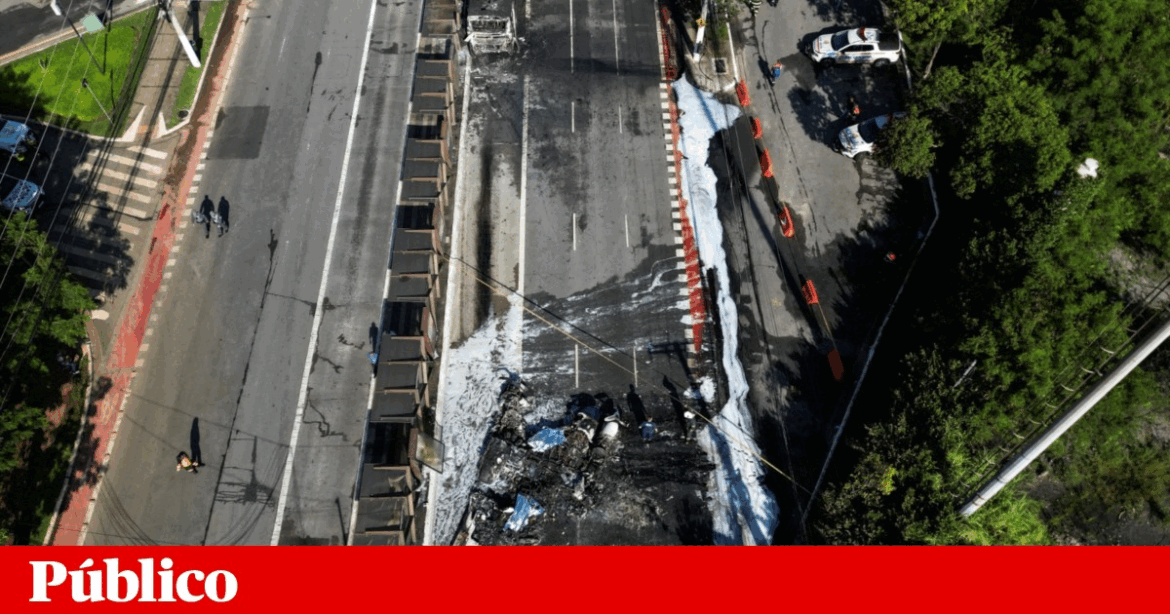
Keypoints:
pixel 554 580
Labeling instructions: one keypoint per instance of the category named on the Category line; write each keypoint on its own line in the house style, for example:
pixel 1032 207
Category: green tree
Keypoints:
pixel 931 23
pixel 1103 64
pixel 907 146
pixel 45 312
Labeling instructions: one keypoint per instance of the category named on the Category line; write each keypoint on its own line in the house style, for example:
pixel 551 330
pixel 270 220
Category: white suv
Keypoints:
pixel 859 46
pixel 860 138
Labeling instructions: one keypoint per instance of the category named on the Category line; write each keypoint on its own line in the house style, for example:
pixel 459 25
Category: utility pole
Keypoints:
pixel 57 9
pixel 702 23
pixel 1050 435
pixel 165 5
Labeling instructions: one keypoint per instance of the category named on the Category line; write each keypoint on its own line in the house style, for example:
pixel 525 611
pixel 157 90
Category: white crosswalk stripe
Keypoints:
pixel 117 193
pixel 146 151
pixel 86 273
pixel 131 162
pixel 90 254
pixel 115 174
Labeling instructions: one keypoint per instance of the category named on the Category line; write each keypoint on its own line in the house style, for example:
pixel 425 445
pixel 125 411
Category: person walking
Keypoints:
pixel 853 108
pixel 184 462
pixel 777 70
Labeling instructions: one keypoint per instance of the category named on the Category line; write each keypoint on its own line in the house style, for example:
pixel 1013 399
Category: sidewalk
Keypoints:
pixel 119 337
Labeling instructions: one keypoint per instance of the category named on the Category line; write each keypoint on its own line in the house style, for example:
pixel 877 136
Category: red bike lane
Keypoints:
pixel 102 426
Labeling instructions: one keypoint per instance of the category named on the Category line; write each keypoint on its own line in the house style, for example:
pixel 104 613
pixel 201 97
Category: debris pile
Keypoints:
pixel 603 473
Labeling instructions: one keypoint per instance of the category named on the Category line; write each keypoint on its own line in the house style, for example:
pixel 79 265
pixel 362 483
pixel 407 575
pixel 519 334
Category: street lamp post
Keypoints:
pixel 57 10
pixel 85 84
pixel 80 38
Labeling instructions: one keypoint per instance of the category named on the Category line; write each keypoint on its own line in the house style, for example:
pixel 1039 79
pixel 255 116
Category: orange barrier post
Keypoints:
pixel 835 365
pixel 757 128
pixel 741 90
pixel 786 222
pixel 766 163
pixel 810 292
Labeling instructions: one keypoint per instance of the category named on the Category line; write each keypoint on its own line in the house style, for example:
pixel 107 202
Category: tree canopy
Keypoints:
pixel 1009 100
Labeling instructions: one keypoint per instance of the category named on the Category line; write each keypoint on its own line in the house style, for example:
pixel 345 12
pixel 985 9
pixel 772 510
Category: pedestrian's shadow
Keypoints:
pixel 635 404
pixel 196 453
pixel 765 69
pixel 225 209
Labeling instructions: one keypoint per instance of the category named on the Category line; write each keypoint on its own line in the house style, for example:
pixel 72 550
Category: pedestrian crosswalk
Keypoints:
pixel 107 212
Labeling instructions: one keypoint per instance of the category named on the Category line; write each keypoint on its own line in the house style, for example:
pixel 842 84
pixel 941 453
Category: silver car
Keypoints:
pixel 859 45
pixel 18 194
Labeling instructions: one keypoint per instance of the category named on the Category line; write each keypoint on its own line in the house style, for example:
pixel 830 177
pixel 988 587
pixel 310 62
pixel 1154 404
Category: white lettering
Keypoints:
pixel 168 581
pixel 147 566
pixel 114 582
pixel 77 584
pixel 118 585
pixel 229 586
pixel 40 584
pixel 183 587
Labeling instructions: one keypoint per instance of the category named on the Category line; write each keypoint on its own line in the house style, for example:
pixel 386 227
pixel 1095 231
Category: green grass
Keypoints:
pixel 186 95
pixel 54 75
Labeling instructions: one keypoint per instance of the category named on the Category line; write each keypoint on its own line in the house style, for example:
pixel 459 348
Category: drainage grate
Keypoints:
pixel 720 66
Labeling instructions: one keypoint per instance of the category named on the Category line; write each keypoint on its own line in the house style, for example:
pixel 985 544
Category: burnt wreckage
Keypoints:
pixel 610 471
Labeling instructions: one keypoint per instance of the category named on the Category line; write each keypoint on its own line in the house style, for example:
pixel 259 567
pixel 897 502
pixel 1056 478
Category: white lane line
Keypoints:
pixel 627 230
pixel 619 119
pixel 573 115
pixel 616 63
pixel 577 365
pixel 574 232
pixel 572 57
pixel 319 312
pixel 635 366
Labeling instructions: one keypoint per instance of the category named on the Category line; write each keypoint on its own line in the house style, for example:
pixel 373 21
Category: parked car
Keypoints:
pixel 18 194
pixel 860 138
pixel 857 46
pixel 16 139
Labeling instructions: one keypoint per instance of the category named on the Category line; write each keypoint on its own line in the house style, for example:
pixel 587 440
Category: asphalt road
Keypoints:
pixel 224 375
pixel 569 206
pixel 847 213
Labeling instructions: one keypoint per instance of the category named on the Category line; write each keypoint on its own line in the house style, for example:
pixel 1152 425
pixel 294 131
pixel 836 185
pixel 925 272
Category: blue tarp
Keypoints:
pixel 525 509
pixel 546 438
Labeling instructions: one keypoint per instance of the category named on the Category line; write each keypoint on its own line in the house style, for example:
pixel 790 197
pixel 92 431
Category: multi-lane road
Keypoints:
pixel 268 326
pixel 256 358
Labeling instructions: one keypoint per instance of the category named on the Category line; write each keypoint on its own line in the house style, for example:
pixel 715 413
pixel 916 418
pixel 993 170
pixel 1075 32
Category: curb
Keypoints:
pixel 130 341
pixel 88 353
pixel 161 130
